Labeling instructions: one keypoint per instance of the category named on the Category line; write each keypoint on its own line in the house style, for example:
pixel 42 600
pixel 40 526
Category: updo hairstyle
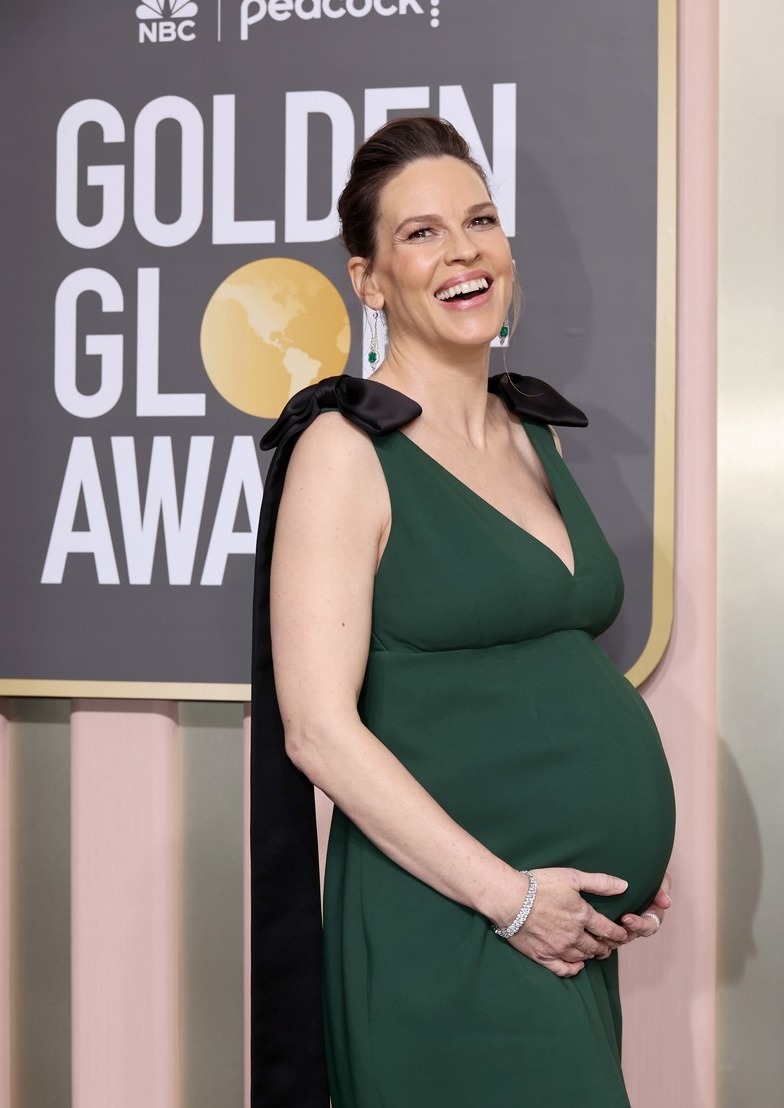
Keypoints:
pixel 384 154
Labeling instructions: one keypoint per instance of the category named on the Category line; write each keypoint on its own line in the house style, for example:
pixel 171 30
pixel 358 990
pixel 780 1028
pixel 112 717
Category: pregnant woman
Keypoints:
pixel 430 582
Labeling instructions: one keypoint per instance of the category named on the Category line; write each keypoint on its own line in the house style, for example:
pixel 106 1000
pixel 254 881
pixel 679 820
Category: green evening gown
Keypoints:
pixel 484 680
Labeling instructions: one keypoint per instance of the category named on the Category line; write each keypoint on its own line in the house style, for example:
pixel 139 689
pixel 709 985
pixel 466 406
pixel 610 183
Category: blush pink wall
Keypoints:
pixel 669 983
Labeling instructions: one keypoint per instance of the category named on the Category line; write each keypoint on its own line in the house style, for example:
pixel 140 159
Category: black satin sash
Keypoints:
pixel 288 1068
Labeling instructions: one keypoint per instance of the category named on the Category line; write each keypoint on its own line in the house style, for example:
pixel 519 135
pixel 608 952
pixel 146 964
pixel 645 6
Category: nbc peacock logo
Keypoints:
pixel 167 20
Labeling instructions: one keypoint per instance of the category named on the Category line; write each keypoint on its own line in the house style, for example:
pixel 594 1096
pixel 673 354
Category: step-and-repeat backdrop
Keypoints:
pixel 171 276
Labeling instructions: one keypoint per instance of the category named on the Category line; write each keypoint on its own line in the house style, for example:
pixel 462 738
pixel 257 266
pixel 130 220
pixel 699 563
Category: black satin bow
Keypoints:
pixel 530 398
pixel 370 405
pixel 288 1068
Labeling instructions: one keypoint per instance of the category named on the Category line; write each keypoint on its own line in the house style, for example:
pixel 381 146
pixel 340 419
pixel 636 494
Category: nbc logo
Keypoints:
pixel 166 20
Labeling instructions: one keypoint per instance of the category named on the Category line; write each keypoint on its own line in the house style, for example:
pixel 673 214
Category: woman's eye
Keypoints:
pixel 486 220
pixel 420 233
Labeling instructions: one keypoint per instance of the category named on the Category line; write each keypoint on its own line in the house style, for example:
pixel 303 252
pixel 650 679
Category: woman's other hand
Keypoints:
pixel 563 930
pixel 645 925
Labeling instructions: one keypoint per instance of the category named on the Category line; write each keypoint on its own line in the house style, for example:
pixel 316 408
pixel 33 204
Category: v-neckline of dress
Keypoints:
pixel 502 515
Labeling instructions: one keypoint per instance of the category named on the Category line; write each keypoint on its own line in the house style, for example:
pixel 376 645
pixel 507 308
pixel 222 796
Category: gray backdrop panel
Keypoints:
pixel 585 244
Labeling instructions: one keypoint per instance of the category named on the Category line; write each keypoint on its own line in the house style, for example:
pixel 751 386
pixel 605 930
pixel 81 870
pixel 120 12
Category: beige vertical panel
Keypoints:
pixel 125 916
pixel 751 539
pixel 669 982
pixel 5 909
pixel 212 758
pixel 40 903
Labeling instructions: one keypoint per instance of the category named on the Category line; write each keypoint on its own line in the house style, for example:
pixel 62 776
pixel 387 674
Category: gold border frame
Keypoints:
pixel 663 588
pixel 664 429
pixel 124 690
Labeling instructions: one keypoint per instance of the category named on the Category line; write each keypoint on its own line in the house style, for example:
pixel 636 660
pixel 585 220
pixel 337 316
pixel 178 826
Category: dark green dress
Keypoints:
pixel 485 681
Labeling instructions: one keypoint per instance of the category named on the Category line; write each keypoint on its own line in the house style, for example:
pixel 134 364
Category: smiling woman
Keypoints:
pixel 430 581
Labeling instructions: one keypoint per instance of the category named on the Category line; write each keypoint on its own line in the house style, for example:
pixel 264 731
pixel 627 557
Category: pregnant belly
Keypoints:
pixel 542 750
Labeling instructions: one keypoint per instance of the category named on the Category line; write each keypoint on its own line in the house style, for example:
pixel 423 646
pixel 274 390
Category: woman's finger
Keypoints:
pixel 662 899
pixel 604 929
pixel 642 926
pixel 562 968
pixel 594 948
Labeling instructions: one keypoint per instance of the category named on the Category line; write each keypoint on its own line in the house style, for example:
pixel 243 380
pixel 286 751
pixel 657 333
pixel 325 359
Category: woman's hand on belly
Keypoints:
pixel 645 925
pixel 563 930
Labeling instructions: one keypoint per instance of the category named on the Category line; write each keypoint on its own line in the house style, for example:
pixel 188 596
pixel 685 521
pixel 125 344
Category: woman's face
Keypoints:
pixel 438 232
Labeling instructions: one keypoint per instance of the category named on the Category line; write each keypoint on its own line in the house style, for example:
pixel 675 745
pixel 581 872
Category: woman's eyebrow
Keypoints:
pixel 431 217
pixel 428 218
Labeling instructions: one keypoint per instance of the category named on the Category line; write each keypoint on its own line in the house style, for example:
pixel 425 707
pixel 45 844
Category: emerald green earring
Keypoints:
pixel 373 351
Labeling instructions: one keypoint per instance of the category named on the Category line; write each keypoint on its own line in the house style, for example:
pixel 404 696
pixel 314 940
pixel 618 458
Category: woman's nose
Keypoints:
pixel 461 247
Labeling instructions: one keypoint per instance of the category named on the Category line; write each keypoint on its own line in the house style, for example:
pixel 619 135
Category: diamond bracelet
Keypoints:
pixel 525 910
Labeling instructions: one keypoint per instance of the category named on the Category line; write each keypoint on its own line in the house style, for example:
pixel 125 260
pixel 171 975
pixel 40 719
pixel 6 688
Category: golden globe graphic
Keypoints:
pixel 271 328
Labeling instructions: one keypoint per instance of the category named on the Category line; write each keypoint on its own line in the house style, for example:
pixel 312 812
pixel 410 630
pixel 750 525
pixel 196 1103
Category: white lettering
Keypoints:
pixel 108 178
pixel 242 479
pixel 108 348
pixel 251 11
pixel 81 481
pixel 186 30
pixel 380 101
pixel 180 529
pixel 313 12
pixel 503 172
pixel 225 228
pixel 150 401
pixel 191 171
pixel 299 106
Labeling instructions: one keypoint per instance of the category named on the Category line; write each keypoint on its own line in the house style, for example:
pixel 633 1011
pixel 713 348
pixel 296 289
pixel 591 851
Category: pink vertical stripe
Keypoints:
pixel 246 883
pixel 324 809
pixel 670 982
pixel 5 910
pixel 125 906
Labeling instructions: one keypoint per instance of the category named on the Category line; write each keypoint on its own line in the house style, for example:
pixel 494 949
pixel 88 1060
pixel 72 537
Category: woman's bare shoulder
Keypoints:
pixel 332 434
pixel 335 460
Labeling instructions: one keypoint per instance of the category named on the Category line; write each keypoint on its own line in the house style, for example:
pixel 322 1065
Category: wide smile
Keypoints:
pixel 471 292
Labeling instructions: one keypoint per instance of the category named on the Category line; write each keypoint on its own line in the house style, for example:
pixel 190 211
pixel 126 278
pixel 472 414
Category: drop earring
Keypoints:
pixel 503 334
pixel 373 350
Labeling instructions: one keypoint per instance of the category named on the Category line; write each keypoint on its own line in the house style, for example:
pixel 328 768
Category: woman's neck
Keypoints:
pixel 450 386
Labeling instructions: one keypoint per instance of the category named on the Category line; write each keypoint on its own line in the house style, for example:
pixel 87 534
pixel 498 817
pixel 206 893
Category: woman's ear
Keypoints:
pixel 364 283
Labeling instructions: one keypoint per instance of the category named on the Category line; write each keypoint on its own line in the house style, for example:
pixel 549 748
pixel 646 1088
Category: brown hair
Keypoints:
pixel 379 158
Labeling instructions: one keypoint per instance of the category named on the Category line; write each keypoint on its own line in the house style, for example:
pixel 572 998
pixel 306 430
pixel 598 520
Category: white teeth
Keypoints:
pixel 476 285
